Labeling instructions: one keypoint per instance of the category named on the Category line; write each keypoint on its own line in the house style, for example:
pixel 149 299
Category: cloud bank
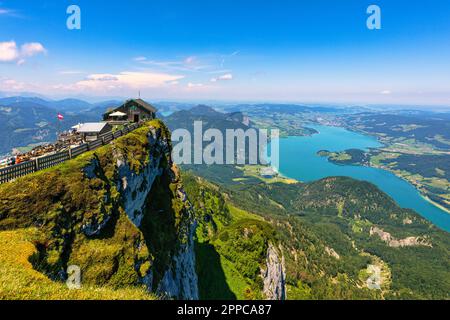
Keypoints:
pixel 126 80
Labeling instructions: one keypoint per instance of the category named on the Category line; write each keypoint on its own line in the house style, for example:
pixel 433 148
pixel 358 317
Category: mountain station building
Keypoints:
pixel 91 131
pixel 133 110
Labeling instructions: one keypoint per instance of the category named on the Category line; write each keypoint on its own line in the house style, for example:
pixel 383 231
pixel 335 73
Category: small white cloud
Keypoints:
pixel 225 77
pixel 70 72
pixel 9 52
pixel 11 85
pixel 4 11
pixel 7 12
pixel 194 85
pixel 140 59
pixel 32 48
pixel 190 60
pixel 103 77
pixel 385 92
pixel 228 76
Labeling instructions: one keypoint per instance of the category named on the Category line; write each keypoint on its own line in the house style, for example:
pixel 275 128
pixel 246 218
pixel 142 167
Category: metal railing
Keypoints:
pixel 22 169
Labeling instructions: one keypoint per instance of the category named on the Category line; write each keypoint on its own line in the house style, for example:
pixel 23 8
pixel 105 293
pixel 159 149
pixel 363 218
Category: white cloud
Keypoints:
pixel 9 13
pixel 70 72
pixel 4 11
pixel 194 85
pixel 385 92
pixel 140 59
pixel 9 51
pixel 228 76
pixel 190 60
pixel 11 85
pixel 32 48
pixel 225 77
pixel 126 80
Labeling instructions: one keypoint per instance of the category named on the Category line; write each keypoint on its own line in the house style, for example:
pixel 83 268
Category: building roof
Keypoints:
pixel 92 127
pixel 140 102
pixel 144 104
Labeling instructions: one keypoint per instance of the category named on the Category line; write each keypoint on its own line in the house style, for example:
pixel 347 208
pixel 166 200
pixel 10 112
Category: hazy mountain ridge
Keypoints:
pixel 29 120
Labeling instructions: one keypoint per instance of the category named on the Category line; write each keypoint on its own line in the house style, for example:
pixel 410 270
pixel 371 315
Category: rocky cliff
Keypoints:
pixel 119 214
pixel 274 275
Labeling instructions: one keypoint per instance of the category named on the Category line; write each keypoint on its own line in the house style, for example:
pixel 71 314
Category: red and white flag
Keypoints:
pixel 60 116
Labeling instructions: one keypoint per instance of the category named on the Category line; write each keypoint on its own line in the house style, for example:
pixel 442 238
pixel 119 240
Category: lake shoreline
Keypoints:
pixel 422 194
pixel 435 203
pixel 383 144
pixel 299 161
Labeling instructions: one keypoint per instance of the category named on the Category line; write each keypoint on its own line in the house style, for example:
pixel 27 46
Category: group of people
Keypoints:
pixel 65 140
pixel 8 161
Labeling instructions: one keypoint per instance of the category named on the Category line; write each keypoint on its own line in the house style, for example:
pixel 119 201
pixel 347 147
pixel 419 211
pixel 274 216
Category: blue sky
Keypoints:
pixel 303 51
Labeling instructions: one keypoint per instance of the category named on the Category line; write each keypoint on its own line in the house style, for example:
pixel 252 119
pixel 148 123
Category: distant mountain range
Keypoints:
pixel 65 105
pixel 282 108
pixel 26 121
pixel 210 117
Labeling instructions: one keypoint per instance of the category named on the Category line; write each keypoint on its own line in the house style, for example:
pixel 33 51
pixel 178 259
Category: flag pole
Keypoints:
pixel 59 117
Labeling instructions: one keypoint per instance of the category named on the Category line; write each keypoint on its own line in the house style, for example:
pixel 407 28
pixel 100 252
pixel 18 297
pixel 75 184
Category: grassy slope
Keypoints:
pixel 18 279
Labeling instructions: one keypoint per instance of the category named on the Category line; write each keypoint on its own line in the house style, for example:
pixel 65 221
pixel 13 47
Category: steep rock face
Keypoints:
pixel 180 280
pixel 135 188
pixel 274 275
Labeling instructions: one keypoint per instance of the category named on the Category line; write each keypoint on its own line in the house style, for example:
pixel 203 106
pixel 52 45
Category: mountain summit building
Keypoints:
pixel 133 110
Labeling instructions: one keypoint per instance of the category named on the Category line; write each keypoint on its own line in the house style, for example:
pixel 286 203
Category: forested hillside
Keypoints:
pixel 334 229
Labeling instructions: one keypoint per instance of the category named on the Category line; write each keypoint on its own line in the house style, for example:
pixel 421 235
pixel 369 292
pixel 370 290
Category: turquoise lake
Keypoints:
pixel 166 113
pixel 299 160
